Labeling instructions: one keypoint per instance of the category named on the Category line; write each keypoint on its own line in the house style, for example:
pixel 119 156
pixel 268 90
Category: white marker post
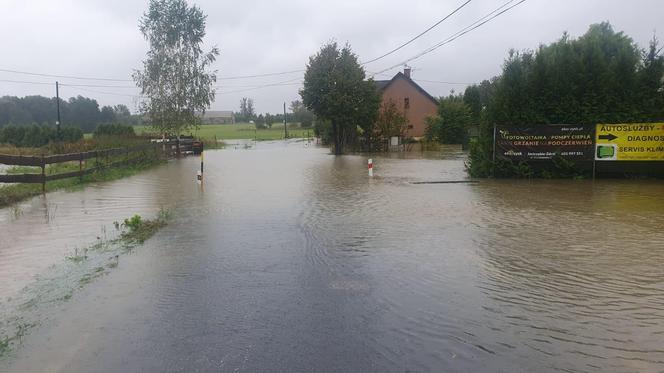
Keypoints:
pixel 370 166
pixel 199 177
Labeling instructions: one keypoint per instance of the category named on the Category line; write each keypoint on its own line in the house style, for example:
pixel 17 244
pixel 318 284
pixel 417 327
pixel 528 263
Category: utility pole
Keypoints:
pixel 57 100
pixel 285 124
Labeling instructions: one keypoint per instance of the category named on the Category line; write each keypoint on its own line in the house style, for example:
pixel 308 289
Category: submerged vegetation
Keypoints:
pixel 140 230
pixel 82 267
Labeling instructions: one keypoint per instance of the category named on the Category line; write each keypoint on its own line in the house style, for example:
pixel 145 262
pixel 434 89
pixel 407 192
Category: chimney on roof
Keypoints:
pixel 406 72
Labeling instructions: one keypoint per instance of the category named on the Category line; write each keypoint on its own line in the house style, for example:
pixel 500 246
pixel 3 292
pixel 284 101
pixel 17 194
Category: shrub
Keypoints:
pixel 116 129
pixel 37 136
pixel 451 124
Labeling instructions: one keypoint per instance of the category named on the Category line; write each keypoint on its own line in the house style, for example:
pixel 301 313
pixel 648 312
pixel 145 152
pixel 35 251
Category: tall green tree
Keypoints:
pixel 81 112
pixel 122 114
pixel 450 126
pixel 247 111
pixel 601 77
pixel 301 114
pixel 176 77
pixel 335 90
pixel 107 115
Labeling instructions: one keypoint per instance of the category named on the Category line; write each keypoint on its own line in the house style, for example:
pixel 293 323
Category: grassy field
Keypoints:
pixel 243 131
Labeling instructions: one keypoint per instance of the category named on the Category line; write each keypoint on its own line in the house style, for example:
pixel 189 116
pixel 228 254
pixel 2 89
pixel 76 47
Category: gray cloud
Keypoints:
pixel 100 38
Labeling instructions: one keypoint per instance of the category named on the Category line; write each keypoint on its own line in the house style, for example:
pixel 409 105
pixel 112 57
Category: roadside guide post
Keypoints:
pixel 199 177
pixel 370 166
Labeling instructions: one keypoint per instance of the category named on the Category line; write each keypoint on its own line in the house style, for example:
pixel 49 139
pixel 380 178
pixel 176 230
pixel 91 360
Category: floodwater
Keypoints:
pixel 291 260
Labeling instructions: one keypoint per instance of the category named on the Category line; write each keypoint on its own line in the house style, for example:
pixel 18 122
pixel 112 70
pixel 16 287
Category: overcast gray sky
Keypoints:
pixel 100 38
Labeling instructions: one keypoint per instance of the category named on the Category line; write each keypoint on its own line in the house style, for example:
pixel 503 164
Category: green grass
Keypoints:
pixel 242 131
pixel 139 229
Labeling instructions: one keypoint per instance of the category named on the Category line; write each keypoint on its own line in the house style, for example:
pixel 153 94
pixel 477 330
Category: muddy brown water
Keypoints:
pixel 293 260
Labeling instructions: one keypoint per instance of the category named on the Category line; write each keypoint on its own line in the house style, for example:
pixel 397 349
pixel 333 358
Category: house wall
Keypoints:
pixel 420 105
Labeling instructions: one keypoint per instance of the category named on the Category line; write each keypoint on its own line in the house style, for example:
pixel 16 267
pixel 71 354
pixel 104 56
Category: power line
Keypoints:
pixel 86 87
pixel 441 82
pixel 487 18
pixel 260 75
pixel 24 82
pixel 490 16
pixel 102 92
pixel 253 89
pixel 129 80
pixel 63 76
pixel 100 86
pixel 418 35
pixel 279 84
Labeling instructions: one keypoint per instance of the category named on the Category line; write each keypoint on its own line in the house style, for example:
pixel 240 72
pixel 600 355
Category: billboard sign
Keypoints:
pixel 630 142
pixel 573 142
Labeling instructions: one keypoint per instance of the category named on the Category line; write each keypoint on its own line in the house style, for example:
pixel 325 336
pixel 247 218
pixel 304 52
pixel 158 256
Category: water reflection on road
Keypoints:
pixel 292 259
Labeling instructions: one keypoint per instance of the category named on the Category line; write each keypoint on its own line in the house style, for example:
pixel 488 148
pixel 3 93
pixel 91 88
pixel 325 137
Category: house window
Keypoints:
pixel 410 126
pixel 406 103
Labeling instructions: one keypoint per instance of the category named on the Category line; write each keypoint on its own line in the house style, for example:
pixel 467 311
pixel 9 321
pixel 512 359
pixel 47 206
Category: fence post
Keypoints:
pixel 43 173
pixel 80 166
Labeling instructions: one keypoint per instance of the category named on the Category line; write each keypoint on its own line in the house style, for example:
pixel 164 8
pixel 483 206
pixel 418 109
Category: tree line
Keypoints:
pixel 79 112
pixel 298 114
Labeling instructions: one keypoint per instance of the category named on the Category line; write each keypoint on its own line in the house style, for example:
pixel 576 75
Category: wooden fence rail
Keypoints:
pixel 98 155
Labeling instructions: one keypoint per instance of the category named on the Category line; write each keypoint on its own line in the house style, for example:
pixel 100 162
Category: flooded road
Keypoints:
pixel 292 260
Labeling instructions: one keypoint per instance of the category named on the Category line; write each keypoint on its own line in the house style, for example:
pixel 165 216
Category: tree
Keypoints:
pixel 122 114
pixel 473 100
pixel 391 122
pixel 81 112
pixel 260 122
pixel 450 126
pixel 107 115
pixel 297 106
pixel 176 76
pixel 335 90
pixel 269 120
pixel 247 111
pixel 251 114
pixel 600 77
pixel 242 115
pixel 301 114
pixel 603 76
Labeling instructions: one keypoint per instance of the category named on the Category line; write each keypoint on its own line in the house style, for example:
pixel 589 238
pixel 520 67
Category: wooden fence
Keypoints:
pixel 103 160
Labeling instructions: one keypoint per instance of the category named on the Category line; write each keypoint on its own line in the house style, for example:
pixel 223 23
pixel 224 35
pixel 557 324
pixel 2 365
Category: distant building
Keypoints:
pixel 218 117
pixel 411 99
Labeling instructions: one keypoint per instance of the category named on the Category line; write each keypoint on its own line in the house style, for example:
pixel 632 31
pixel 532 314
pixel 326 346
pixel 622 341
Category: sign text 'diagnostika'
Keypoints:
pixel 629 142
